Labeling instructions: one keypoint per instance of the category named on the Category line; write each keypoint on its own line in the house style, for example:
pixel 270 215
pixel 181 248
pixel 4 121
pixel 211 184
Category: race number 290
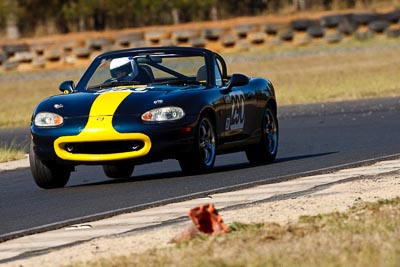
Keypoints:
pixel 238 113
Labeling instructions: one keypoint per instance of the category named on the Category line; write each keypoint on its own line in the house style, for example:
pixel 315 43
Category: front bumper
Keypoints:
pixel 98 143
pixel 66 147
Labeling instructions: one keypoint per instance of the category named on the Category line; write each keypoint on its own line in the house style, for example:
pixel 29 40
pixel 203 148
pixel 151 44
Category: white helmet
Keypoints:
pixel 123 68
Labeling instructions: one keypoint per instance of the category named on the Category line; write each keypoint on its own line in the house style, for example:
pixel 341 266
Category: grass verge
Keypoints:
pixel 326 73
pixel 11 151
pixel 314 73
pixel 367 235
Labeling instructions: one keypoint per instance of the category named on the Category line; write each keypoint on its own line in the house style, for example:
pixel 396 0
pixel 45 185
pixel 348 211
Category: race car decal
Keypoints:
pixel 236 120
pixel 132 89
pixel 99 128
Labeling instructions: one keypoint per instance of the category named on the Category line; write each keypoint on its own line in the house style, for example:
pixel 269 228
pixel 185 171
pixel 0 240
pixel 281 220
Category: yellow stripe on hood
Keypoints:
pixel 99 128
pixel 108 102
pixel 102 111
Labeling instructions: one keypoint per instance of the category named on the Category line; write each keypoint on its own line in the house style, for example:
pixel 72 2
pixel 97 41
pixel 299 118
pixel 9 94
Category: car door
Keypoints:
pixel 239 105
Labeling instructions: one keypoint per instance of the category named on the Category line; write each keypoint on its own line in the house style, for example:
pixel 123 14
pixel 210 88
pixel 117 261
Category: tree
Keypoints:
pixel 9 18
pixel 33 17
pixel 300 5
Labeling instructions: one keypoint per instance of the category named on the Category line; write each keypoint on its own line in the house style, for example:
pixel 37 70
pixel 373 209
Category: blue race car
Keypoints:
pixel 143 105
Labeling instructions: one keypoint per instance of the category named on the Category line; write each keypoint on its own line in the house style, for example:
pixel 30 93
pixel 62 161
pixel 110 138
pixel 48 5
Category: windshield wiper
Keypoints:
pixel 112 83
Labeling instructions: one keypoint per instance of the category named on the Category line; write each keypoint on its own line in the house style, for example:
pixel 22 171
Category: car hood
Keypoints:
pixel 113 102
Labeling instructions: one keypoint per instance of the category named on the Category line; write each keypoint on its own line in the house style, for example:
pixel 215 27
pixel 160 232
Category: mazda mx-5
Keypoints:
pixel 142 105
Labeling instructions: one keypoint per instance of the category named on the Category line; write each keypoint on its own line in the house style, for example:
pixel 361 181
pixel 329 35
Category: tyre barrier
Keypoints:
pixel 70 45
pixel 363 35
pixel 316 31
pixel 332 21
pixel 183 36
pixel 334 37
pixel 155 36
pixel 391 17
pixel 24 56
pixel 242 30
pixel 166 42
pixel 242 45
pixel 99 44
pixel 11 49
pixel 198 42
pixel 302 40
pixel 393 33
pixel 378 26
pixel 10 65
pixel 364 18
pixel 213 34
pixel 328 29
pixel 82 52
pixel 38 63
pixel 3 58
pixel 347 27
pixel 256 37
pixel 286 35
pixel 272 28
pixel 53 55
pixel 229 40
pixel 303 24
pixel 125 39
pixel 39 48
pixel 137 43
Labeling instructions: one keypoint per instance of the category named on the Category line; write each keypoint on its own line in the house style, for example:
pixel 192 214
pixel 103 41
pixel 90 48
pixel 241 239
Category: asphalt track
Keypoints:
pixel 313 138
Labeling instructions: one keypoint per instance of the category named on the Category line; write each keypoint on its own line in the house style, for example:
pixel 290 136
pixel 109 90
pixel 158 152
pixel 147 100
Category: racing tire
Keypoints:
pixel 302 24
pixel 286 35
pixel 315 31
pixel 392 17
pixel 347 27
pixel 265 151
pixel 393 33
pixel 48 174
pixel 202 157
pixel 213 34
pixel 364 18
pixel 272 29
pixel 118 171
pixel 331 21
pixel 335 37
pixel 378 26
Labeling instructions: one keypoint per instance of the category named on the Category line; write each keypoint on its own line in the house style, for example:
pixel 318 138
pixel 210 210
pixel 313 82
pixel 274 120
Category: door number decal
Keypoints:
pixel 236 120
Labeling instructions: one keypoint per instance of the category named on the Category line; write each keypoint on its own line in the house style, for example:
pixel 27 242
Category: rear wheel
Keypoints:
pixel 265 151
pixel 202 156
pixel 48 174
pixel 118 171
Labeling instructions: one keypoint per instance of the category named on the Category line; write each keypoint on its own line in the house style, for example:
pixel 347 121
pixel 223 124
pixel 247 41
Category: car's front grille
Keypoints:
pixel 104 147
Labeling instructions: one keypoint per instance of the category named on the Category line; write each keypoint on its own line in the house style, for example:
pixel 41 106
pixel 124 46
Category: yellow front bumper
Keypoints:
pixel 99 128
pixel 59 146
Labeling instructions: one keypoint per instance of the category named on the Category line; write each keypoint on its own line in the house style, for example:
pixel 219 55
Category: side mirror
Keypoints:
pixel 67 87
pixel 236 80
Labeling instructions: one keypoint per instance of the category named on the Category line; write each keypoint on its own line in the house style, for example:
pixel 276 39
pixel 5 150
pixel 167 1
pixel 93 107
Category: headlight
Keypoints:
pixel 163 114
pixel 48 119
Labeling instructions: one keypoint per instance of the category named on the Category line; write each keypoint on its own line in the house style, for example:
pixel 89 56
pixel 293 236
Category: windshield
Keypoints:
pixel 148 68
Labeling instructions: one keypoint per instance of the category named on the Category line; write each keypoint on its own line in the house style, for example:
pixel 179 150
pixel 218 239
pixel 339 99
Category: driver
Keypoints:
pixel 123 69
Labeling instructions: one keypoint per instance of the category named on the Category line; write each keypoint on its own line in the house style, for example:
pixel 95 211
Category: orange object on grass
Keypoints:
pixel 207 219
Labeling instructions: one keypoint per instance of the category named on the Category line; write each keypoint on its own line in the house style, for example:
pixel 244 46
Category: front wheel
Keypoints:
pixel 118 171
pixel 202 156
pixel 265 151
pixel 48 174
